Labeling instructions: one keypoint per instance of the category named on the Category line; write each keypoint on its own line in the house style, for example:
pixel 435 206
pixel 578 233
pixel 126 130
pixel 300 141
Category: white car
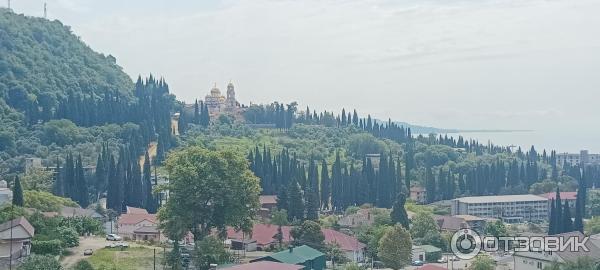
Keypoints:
pixel 113 237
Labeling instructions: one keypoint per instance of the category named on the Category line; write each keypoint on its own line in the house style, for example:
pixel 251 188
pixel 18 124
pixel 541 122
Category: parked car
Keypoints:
pixel 443 260
pixel 88 252
pixel 113 237
pixel 417 263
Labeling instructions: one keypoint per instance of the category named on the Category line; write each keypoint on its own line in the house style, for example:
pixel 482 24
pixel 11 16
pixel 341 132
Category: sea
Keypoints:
pixel 561 141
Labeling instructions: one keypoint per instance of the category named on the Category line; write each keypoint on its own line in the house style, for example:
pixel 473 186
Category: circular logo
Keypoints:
pixel 465 244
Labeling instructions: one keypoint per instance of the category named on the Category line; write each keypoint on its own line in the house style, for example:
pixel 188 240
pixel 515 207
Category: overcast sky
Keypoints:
pixel 472 64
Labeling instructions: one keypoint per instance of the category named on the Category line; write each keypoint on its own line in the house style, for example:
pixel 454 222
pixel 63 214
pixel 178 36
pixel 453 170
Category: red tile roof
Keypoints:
pixel 346 242
pixel 431 267
pixel 265 265
pixel 131 219
pixel 563 195
pixel 264 235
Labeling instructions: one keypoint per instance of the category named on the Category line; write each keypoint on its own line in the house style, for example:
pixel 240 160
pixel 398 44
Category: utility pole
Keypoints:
pixel 8 4
pixel 12 212
pixel 45 10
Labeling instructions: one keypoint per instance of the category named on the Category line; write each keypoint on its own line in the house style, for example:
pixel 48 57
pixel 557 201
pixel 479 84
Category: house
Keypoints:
pixel 15 238
pixel 129 223
pixel 264 265
pixel 268 201
pixel 570 197
pixel 5 193
pixel 450 224
pixel 135 211
pixel 475 223
pixel 148 233
pixel 353 249
pixel 267 204
pixel 302 255
pixel 426 253
pixel 264 235
pixel 418 194
pixel 243 244
pixel 362 217
pixel 67 211
pixel 534 260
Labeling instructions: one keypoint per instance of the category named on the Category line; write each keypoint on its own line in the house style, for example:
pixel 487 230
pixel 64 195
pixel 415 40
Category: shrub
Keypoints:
pixel 83 265
pixel 68 236
pixel 50 247
pixel 36 262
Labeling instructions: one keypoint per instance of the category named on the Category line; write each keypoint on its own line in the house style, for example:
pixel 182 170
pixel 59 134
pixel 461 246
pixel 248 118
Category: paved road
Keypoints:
pixel 92 242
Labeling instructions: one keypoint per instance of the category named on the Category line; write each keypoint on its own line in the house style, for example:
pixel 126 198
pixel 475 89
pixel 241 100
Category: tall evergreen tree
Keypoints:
pixel 100 176
pixel 296 202
pixel 559 214
pixel 325 185
pixel 580 204
pixel 552 227
pixel 81 195
pixel 567 222
pixel 150 202
pixel 57 188
pixel 398 213
pixel 18 193
pixel 312 204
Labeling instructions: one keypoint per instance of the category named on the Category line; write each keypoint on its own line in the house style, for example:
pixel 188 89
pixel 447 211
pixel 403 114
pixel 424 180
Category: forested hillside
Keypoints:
pixel 74 108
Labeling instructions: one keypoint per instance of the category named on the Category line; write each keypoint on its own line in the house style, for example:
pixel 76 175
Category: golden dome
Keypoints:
pixel 215 91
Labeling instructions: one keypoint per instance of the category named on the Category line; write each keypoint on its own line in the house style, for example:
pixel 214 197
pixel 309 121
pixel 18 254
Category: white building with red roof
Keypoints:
pixel 128 224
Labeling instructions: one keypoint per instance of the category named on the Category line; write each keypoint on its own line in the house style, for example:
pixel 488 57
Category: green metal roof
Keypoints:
pixel 298 255
pixel 429 248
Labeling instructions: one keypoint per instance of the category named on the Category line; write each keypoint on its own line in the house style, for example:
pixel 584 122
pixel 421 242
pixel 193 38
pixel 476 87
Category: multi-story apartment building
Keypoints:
pixel 584 157
pixel 508 208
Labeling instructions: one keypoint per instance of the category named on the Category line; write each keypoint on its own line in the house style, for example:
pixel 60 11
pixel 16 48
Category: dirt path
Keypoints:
pixel 93 243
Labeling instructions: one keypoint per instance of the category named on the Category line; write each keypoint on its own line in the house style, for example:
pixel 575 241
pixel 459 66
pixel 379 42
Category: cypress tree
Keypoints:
pixel 552 220
pixel 408 163
pixel 100 176
pixel 325 185
pixel 282 199
pixel 312 204
pixel 398 213
pixel 18 193
pixel 296 202
pixel 57 188
pixel 81 194
pixel 149 198
pixel 196 119
pixel 559 214
pixel 580 204
pixel 567 222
